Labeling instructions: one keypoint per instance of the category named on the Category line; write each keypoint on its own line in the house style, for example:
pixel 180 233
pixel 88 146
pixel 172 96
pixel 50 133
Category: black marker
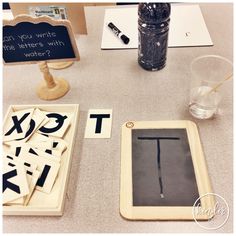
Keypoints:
pixel 118 33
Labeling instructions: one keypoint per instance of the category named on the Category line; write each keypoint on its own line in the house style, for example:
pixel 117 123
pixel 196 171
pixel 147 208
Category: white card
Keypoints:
pixel 31 175
pixel 40 141
pixel 19 201
pixel 59 144
pixel 58 147
pixel 37 119
pixel 57 125
pixel 17 150
pixel 32 180
pixel 187 27
pixel 48 168
pixel 15 183
pixel 99 123
pixel 52 145
pixel 9 157
pixel 17 125
pixel 52 152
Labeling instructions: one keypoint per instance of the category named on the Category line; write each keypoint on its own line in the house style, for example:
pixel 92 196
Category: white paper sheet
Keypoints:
pixel 187 27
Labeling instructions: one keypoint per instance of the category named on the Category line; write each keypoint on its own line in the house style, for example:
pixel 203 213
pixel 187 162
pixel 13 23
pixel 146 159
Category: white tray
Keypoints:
pixel 53 203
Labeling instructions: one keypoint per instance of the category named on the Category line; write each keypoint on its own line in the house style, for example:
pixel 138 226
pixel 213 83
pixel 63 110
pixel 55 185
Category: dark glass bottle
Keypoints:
pixel 153 27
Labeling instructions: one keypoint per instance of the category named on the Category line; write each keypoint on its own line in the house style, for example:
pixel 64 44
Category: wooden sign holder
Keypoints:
pixel 55 65
pixel 51 88
pixel 60 65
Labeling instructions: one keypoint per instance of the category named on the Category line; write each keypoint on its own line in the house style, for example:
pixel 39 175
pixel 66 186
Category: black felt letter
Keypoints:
pixel 17 123
pixel 59 120
pixel 7 184
pixel 99 118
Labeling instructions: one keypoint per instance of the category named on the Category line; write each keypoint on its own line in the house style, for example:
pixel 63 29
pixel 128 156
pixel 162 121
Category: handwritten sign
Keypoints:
pixel 28 40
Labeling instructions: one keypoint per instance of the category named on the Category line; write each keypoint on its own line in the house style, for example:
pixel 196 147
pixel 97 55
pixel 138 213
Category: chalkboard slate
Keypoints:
pixel 162 168
pixel 38 39
pixel 163 171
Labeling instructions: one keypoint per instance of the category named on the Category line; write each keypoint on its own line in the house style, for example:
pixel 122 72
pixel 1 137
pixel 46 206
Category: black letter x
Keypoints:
pixel 17 124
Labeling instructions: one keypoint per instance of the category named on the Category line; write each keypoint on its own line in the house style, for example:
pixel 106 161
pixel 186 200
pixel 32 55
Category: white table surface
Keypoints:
pixel 113 79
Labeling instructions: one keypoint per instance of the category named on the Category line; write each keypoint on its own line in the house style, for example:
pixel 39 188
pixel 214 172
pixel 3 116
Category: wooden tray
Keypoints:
pixel 53 203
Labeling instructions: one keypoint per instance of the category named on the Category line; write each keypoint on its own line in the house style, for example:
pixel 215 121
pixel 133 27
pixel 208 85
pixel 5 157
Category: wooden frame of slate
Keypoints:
pixel 21 19
pixel 53 203
pixel 141 193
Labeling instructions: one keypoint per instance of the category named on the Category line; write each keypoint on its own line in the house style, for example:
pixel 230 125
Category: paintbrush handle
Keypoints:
pixel 219 84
